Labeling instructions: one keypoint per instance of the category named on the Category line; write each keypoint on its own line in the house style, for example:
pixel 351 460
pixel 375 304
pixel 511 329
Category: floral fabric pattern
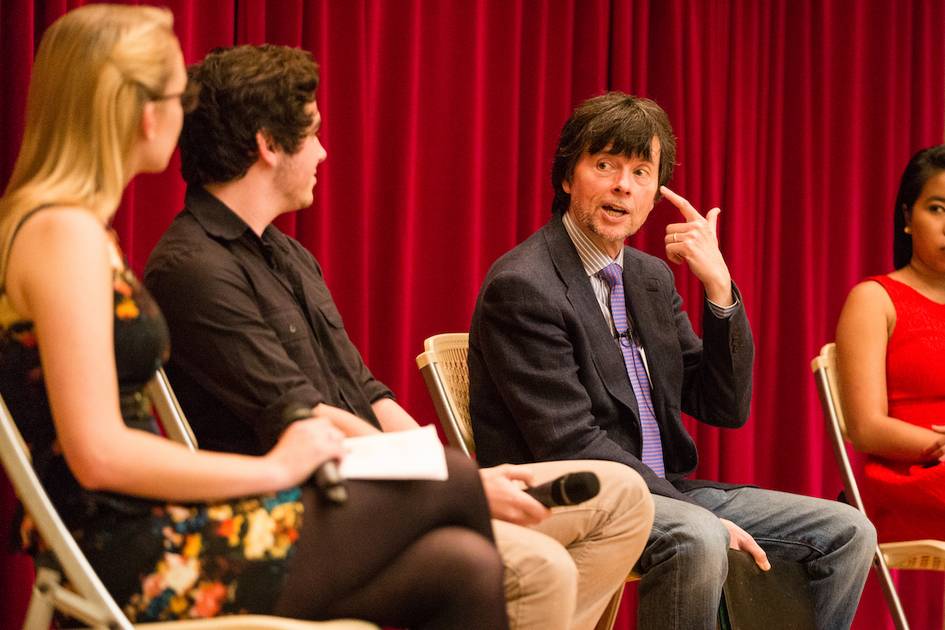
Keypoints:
pixel 125 306
pixel 206 547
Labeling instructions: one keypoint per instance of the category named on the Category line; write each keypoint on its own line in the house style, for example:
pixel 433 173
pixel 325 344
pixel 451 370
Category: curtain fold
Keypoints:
pixel 795 117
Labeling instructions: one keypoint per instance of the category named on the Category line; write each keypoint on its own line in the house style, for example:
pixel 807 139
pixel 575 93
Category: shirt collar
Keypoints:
pixel 592 257
pixel 214 216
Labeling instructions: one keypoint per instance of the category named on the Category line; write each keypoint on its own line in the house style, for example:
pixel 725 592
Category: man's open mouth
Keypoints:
pixel 615 211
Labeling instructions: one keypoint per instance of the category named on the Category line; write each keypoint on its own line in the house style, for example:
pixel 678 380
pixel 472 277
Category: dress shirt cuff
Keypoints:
pixel 723 312
pixel 385 394
pixel 272 421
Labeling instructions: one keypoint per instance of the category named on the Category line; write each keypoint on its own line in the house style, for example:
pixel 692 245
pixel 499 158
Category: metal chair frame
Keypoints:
pixel 928 555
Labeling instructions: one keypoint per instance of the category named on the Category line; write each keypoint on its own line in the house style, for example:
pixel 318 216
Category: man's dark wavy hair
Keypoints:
pixel 923 166
pixel 622 124
pixel 244 90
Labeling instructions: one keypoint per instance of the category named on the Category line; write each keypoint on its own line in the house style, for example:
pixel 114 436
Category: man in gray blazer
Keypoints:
pixel 580 349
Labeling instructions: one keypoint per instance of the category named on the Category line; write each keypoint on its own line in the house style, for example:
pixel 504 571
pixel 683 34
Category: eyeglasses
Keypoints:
pixel 189 98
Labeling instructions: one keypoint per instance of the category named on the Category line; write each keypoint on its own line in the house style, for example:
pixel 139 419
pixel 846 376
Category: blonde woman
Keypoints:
pixel 175 533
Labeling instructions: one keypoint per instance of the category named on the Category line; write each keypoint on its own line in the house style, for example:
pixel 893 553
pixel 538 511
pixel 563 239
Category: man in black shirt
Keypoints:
pixel 255 332
pixel 255 329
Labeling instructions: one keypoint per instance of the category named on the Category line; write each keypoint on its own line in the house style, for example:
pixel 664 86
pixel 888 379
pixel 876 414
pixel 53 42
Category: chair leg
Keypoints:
pixel 609 617
pixel 889 591
pixel 39 613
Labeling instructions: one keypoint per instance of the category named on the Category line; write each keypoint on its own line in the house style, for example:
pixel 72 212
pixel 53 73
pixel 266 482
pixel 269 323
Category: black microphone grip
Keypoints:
pixel 327 478
pixel 568 489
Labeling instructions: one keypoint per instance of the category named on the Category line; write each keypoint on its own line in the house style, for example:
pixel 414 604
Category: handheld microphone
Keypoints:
pixel 327 477
pixel 569 489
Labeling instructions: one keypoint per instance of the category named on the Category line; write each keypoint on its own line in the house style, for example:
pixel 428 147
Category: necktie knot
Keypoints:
pixel 612 274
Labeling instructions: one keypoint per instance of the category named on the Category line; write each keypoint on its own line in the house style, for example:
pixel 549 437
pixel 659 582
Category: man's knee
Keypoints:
pixel 624 489
pixel 696 538
pixel 854 530
pixel 705 537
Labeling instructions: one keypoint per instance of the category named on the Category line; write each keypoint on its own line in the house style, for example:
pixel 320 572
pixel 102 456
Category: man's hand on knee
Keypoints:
pixel 507 499
pixel 738 538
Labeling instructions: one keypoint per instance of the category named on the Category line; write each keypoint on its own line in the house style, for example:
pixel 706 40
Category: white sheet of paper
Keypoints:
pixel 415 454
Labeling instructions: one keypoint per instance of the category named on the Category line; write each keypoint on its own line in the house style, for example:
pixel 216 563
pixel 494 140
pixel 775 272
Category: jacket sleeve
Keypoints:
pixel 718 368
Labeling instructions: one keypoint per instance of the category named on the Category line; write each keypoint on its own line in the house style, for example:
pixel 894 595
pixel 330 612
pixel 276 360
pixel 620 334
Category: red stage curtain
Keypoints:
pixel 794 116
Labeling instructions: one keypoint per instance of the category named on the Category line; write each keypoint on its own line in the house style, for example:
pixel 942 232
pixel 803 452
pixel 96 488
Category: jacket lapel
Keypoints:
pixel 608 359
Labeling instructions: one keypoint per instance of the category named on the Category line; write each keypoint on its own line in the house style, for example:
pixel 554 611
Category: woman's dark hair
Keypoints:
pixel 618 122
pixel 923 166
pixel 244 90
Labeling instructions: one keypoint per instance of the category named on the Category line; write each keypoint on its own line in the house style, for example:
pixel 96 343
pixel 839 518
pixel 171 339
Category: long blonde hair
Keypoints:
pixel 95 69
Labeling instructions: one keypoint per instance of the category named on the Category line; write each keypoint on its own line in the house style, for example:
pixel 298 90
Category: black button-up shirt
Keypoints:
pixel 254 329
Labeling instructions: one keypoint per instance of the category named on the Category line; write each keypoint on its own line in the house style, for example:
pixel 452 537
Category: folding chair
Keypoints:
pixel 926 555
pixel 169 412
pixel 444 370
pixel 85 597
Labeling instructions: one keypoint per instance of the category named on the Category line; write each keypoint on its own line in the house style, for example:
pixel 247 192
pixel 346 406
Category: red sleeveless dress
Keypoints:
pixel 904 500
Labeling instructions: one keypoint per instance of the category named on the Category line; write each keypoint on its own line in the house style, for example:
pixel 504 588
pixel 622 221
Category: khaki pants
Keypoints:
pixel 561 573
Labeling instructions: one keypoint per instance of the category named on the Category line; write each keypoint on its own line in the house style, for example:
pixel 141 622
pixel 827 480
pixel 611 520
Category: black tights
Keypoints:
pixel 415 554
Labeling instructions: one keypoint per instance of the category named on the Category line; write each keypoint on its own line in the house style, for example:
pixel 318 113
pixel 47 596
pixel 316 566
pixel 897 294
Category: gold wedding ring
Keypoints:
pixel 675 240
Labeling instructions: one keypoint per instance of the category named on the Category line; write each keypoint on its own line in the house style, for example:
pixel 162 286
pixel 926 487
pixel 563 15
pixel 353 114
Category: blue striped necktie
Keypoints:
pixel 652 455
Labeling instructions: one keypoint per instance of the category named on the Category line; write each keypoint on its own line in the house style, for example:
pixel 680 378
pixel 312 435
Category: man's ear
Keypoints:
pixel 148 121
pixel 267 148
pixel 566 185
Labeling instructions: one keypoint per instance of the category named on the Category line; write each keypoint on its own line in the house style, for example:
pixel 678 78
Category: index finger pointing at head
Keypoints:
pixel 685 208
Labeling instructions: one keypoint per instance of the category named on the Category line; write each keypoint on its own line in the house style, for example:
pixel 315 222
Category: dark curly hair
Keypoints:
pixel 923 166
pixel 244 90
pixel 622 124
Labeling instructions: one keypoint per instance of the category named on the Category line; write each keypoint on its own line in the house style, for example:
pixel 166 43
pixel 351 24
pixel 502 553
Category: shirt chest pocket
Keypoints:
pixel 321 299
pixel 294 336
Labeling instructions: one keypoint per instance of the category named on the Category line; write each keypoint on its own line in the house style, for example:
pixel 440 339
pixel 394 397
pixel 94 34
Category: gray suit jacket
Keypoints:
pixel 548 382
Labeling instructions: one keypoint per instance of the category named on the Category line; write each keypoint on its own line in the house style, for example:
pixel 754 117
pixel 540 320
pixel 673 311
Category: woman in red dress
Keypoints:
pixel 891 360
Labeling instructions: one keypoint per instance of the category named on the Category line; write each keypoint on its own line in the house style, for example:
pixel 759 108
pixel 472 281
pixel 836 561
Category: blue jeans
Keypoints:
pixel 685 560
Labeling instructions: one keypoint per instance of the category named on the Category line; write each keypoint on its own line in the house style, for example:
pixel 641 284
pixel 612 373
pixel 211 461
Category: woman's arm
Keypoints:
pixel 866 322
pixel 59 277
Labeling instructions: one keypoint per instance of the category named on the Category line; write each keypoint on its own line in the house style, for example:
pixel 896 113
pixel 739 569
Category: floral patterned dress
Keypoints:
pixel 159 561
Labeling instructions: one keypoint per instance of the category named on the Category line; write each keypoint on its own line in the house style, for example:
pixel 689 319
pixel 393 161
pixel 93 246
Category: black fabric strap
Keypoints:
pixel 6 253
